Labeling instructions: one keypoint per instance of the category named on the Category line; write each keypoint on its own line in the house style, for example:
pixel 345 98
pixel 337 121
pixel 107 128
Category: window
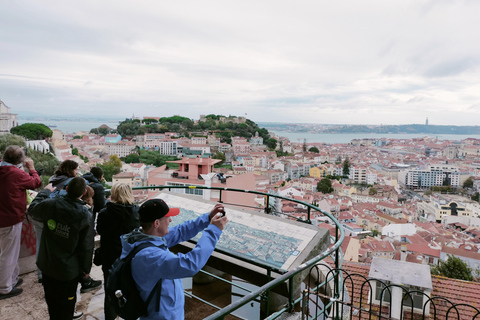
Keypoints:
pixel 417 299
pixel 378 292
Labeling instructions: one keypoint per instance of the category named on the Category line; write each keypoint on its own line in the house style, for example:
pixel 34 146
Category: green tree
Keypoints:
pixel 476 197
pixel 325 186
pixel 9 140
pixel 32 131
pixel 314 149
pixel 45 163
pixel 103 131
pixel 372 191
pixel 131 158
pixel 346 167
pixel 111 167
pixel 453 267
pixel 128 128
pixel 75 151
pixel 271 143
pixel 468 183
pixel 220 156
pixel 149 121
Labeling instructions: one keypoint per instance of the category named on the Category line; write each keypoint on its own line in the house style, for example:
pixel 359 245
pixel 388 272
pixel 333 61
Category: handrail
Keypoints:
pixel 334 249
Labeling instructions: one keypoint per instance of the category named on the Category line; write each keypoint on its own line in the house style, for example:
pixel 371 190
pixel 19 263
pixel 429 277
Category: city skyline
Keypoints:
pixel 317 62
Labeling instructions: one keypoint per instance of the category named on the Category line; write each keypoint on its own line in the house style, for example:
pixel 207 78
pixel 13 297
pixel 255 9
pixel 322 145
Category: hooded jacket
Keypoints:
pixel 112 222
pixel 67 243
pixel 58 181
pixel 99 196
pixel 158 263
pixel 13 199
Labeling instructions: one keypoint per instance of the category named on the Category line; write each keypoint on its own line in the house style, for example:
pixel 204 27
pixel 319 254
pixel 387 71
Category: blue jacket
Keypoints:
pixel 153 263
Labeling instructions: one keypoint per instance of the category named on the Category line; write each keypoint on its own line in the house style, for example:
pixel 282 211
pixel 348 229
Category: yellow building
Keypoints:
pixel 318 172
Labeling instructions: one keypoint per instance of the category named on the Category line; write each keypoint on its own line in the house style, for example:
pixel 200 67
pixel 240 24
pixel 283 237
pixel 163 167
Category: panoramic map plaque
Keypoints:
pixel 268 240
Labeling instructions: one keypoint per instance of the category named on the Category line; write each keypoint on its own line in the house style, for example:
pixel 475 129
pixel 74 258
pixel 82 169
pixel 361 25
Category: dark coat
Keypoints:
pixel 113 221
pixel 99 196
pixel 67 243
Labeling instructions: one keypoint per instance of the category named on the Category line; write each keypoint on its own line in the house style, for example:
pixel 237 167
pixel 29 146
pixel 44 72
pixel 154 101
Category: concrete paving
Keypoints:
pixel 31 303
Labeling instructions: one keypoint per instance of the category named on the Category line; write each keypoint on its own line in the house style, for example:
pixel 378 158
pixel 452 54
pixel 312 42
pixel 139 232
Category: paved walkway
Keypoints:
pixel 31 303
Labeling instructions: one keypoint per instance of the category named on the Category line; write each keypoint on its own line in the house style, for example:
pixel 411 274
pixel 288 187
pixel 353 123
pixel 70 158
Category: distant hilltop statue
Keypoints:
pixel 8 120
pixel 426 122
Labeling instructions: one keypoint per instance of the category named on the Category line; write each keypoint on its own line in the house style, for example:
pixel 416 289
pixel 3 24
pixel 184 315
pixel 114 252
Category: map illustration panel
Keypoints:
pixel 271 242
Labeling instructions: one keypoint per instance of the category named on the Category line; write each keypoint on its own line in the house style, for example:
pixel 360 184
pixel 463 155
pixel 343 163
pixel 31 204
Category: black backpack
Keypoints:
pixel 121 290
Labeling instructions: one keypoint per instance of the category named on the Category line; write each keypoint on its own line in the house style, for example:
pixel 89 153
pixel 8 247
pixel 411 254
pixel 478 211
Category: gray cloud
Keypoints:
pixel 318 61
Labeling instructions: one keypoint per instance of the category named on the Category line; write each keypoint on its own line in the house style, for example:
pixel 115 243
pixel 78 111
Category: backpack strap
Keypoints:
pixel 130 256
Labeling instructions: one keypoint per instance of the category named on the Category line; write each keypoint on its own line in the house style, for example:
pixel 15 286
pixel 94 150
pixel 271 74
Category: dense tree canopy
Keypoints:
pixel 9 140
pixel 148 157
pixel 185 126
pixel 455 268
pixel 45 163
pixel 111 167
pixel 32 131
pixel 314 149
pixel 468 183
pixel 271 143
pixel 219 155
pixel 325 186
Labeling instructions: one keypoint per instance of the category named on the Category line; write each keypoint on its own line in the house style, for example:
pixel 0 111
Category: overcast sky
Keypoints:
pixel 364 62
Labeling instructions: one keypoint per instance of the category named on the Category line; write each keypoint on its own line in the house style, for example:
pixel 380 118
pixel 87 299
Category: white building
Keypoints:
pixel 8 120
pixel 435 175
pixel 121 148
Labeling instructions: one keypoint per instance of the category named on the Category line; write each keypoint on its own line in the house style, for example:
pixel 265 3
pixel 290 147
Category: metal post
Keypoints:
pixel 336 290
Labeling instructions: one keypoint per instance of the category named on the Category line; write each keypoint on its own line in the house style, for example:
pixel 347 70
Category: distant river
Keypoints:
pixel 348 137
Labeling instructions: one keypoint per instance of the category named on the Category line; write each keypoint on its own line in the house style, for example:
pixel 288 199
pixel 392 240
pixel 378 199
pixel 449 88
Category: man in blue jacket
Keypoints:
pixel 158 263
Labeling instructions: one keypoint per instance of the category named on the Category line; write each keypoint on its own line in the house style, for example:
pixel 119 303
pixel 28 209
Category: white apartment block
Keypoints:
pixel 358 175
pixel 435 175
pixel 152 140
pixel 121 148
pixel 199 140
pixel 371 178
pixel 168 147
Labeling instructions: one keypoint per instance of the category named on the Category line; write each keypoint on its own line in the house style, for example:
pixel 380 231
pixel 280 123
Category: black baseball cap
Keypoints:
pixel 154 209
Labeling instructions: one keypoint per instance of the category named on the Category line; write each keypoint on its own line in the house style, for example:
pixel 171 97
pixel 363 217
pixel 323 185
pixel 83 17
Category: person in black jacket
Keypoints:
pixel 66 247
pixel 94 178
pixel 67 170
pixel 119 217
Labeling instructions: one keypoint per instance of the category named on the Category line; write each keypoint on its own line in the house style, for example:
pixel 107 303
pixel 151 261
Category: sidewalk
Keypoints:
pixel 31 303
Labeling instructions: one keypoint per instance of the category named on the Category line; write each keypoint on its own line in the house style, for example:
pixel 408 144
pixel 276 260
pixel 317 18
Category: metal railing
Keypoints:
pixel 263 292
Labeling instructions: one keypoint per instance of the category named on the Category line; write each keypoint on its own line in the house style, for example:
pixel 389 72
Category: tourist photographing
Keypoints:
pixel 158 264
pixel 13 203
